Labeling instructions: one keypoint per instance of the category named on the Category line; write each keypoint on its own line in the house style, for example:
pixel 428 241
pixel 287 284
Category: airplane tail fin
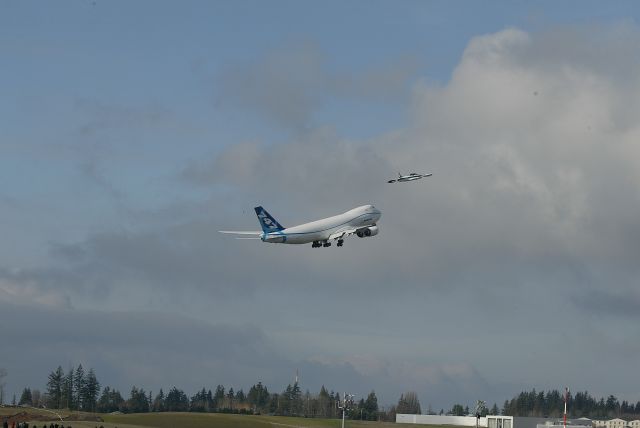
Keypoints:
pixel 268 223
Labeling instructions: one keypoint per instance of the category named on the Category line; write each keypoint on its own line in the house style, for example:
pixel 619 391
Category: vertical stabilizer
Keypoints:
pixel 268 223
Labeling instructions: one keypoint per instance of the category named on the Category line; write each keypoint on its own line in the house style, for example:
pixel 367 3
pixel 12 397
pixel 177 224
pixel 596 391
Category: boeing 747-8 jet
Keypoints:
pixel 359 221
pixel 409 177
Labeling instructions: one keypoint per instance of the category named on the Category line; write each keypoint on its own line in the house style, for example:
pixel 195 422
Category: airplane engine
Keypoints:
pixel 367 231
pixel 274 239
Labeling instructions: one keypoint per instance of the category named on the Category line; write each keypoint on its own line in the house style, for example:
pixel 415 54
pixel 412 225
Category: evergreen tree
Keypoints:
pixel 324 402
pixel 240 397
pixel 457 410
pixel 137 402
pixel 55 387
pixel 176 401
pixel 67 390
pixel 370 407
pixel 218 397
pixel 110 401
pixel 199 401
pixel 158 402
pixel 230 397
pixel 210 406
pixel 79 385
pixel 89 391
pixel 25 398
pixel 409 404
pixel 295 400
pixel 258 397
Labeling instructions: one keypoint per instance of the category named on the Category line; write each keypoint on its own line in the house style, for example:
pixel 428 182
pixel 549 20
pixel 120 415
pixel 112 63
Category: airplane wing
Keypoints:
pixel 391 181
pixel 342 234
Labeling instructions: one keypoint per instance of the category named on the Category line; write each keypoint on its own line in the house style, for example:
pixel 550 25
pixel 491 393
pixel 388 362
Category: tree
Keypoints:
pixel 137 402
pixel 199 402
pixel 89 391
pixel 258 397
pixel 176 401
pixel 295 398
pixel 79 386
pixel 494 410
pixel 370 407
pixel 409 404
pixel 158 402
pixel 67 390
pixel 230 397
pixel 3 374
pixel 25 398
pixel 324 402
pixel 457 410
pixel 55 387
pixel 36 398
pixel 218 397
pixel 110 401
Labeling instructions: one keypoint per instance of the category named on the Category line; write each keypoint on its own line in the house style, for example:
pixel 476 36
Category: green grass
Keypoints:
pixel 201 420
pixel 204 420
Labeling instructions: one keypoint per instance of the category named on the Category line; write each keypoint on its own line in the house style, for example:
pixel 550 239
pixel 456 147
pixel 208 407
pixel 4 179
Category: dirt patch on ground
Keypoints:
pixel 27 416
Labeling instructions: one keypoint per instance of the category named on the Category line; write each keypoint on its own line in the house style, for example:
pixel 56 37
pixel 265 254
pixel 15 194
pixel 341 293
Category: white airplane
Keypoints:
pixel 360 221
pixel 410 177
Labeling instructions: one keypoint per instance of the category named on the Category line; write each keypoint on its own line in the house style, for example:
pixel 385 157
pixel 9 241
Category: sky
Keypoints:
pixel 131 132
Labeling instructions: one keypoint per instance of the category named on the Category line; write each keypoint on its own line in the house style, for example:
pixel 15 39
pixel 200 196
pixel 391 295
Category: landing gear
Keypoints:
pixel 340 242
pixel 318 244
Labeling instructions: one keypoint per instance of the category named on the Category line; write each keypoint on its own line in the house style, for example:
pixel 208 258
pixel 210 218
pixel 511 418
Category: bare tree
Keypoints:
pixel 3 374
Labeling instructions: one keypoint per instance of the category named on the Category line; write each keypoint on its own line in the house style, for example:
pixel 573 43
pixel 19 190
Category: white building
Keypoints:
pixel 495 421
pixel 466 421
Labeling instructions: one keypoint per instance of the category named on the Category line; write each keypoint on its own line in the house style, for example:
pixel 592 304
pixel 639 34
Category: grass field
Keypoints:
pixel 202 420
pixel 193 420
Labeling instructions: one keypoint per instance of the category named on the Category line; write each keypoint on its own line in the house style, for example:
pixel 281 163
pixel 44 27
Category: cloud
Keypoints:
pixel 533 205
pixel 609 304
pixel 290 85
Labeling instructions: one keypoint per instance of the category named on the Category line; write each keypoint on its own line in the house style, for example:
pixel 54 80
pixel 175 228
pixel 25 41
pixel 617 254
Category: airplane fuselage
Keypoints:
pixel 410 177
pixel 361 218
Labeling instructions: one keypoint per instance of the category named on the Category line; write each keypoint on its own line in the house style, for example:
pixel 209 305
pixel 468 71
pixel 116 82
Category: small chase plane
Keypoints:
pixel 360 221
pixel 409 177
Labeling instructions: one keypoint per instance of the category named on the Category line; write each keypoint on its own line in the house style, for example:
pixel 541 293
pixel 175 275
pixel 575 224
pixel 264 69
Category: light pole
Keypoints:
pixel 347 401
pixel 480 408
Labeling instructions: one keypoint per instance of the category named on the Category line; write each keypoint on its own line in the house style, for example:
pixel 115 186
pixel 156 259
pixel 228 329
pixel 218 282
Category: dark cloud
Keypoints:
pixel 609 304
pixel 289 86
pixel 156 350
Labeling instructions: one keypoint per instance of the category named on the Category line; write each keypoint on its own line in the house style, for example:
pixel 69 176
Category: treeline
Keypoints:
pixel 582 404
pixel 77 390
pixel 258 400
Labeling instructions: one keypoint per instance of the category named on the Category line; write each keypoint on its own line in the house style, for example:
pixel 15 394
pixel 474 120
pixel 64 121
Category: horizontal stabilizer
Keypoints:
pixel 241 232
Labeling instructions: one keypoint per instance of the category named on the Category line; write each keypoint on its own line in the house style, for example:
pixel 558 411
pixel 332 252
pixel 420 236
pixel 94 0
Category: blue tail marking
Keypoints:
pixel 268 223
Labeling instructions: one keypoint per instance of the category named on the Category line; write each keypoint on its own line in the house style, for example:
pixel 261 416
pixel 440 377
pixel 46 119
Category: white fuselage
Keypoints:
pixel 321 230
pixel 410 177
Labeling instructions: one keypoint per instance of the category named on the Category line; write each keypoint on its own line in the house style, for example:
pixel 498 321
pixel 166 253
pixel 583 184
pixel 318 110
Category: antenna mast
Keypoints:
pixel 566 394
